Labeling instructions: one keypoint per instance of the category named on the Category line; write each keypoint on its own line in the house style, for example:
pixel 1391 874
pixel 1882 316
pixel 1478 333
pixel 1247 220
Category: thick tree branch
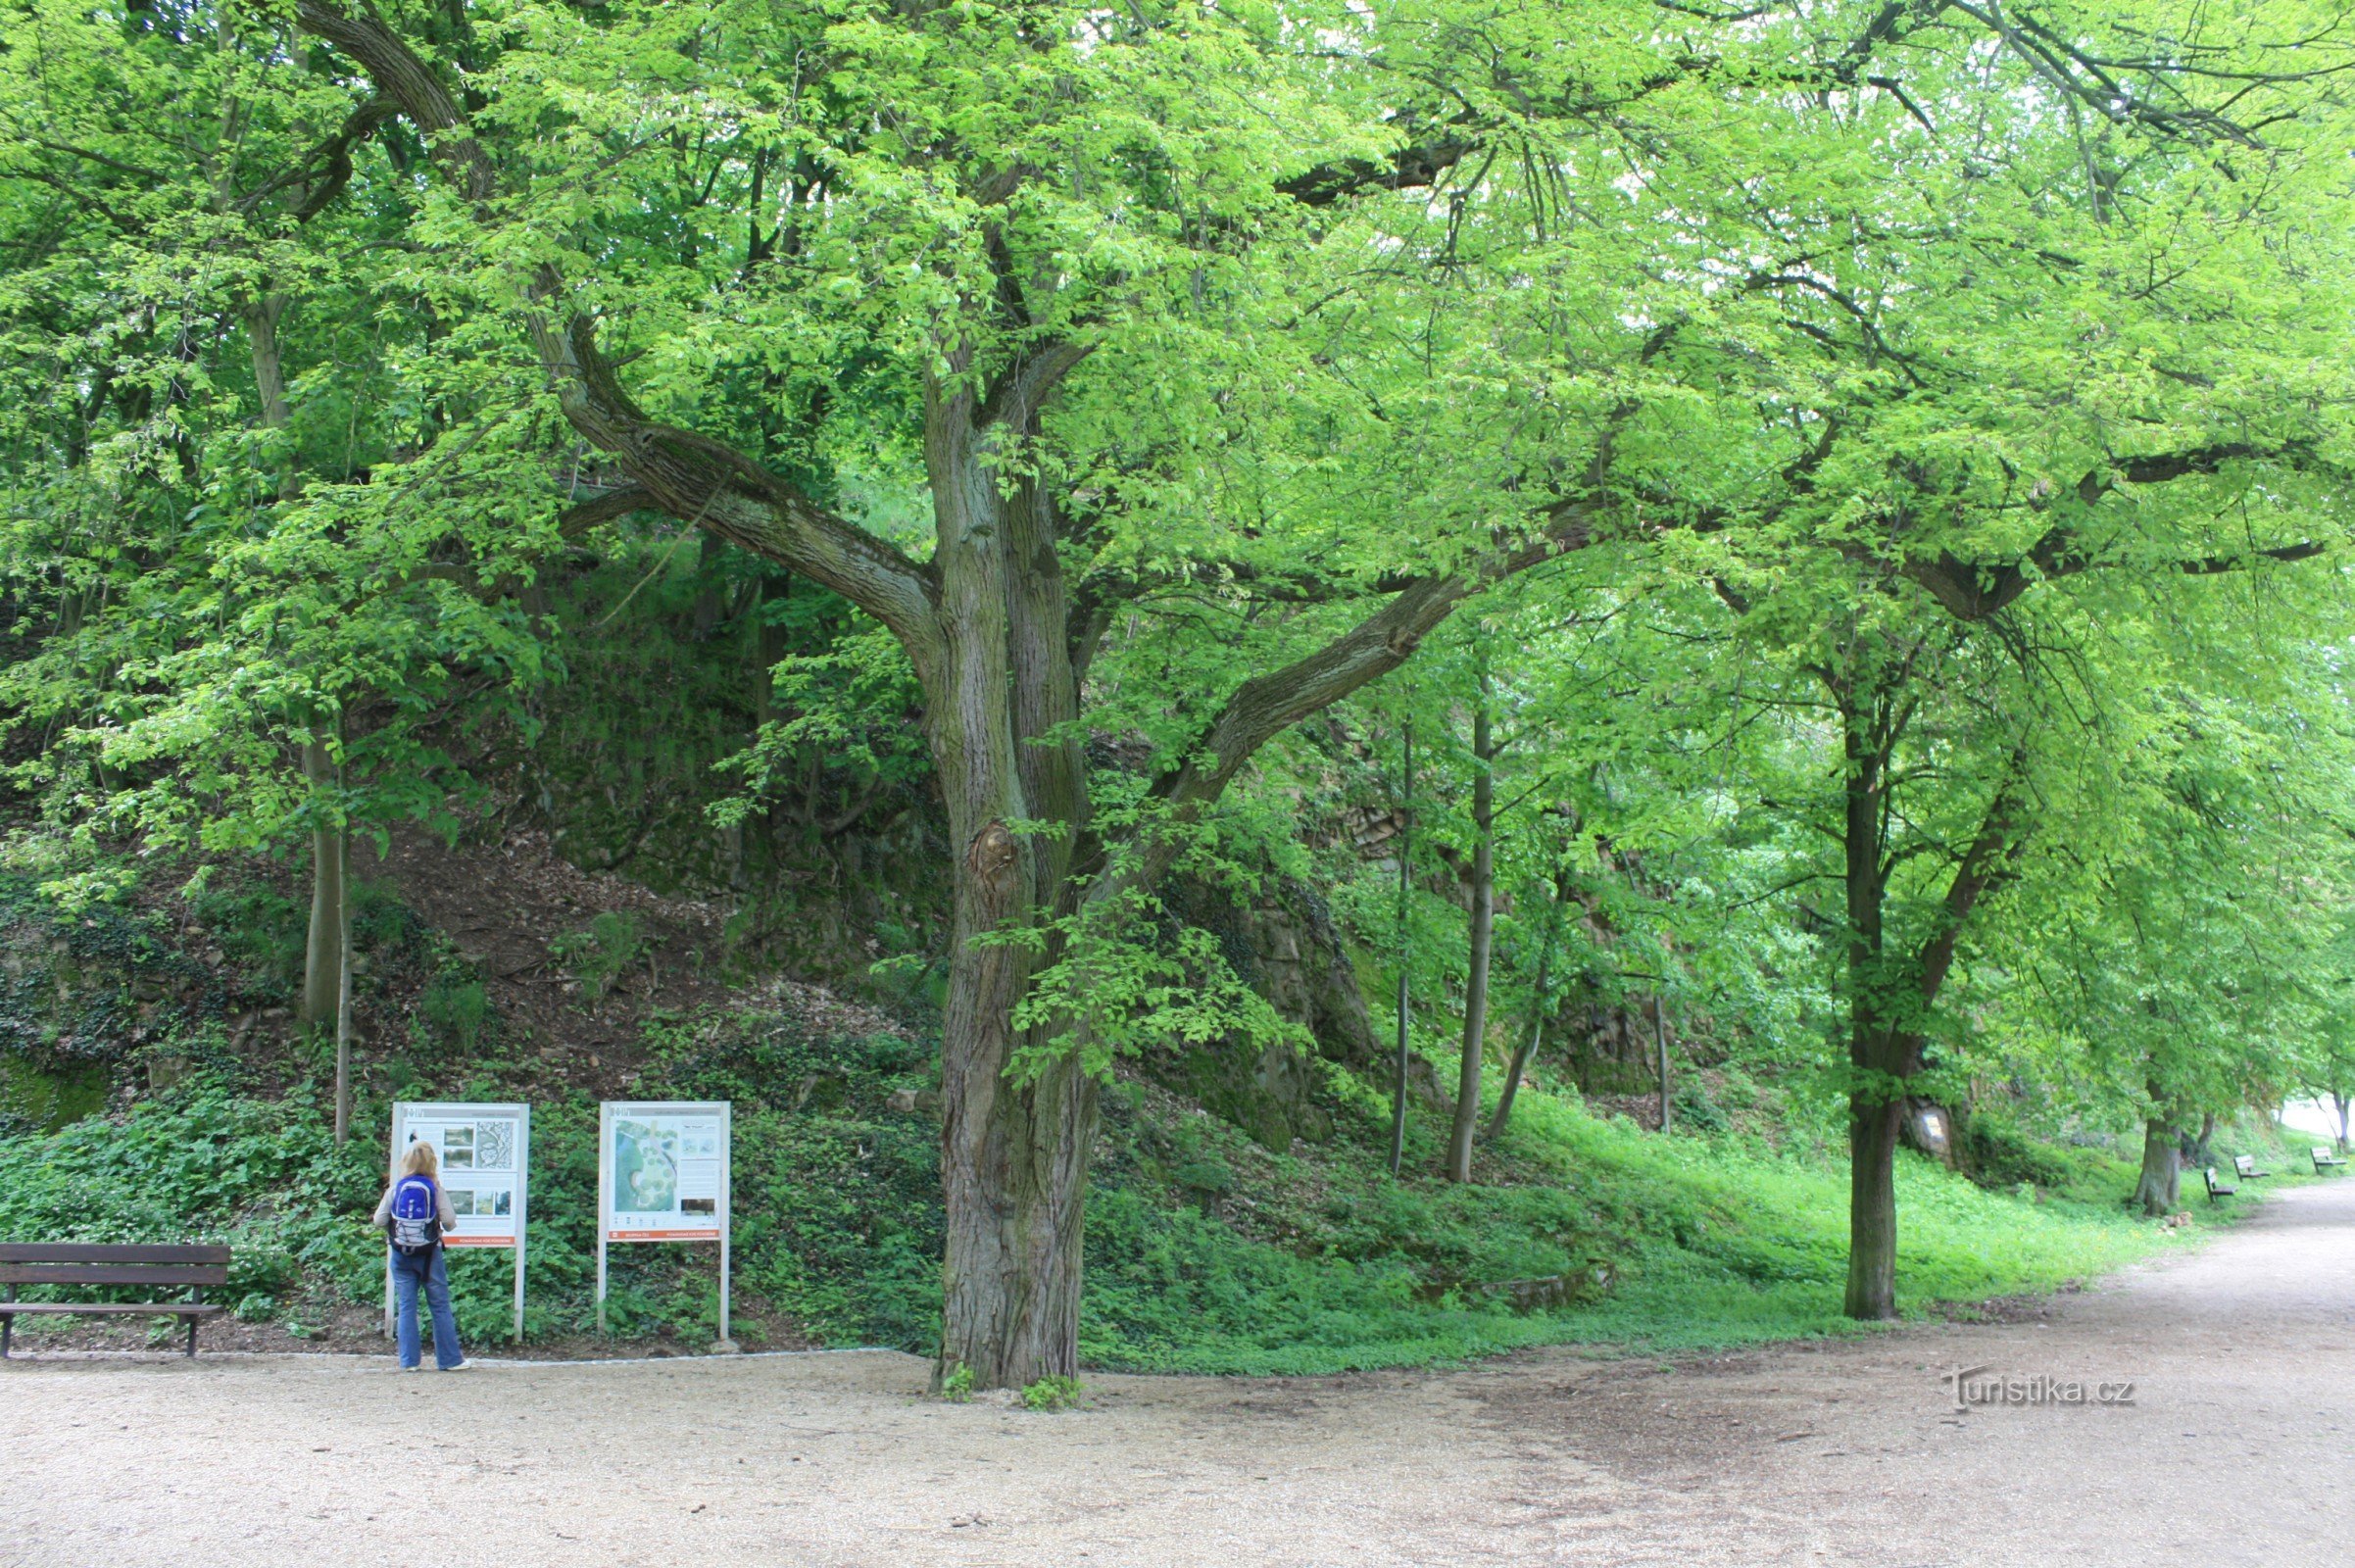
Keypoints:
pixel 1983 866
pixel 693 477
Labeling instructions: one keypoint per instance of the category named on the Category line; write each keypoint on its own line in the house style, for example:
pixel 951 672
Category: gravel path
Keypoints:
pixel 2236 1448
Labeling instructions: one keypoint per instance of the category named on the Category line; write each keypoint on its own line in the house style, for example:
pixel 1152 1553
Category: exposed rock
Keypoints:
pixel 1284 945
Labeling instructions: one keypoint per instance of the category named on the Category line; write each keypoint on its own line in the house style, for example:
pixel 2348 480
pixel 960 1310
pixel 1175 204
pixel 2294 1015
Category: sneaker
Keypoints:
pixel 458 1366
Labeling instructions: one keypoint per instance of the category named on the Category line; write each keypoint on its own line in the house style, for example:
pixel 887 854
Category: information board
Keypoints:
pixel 485 1152
pixel 662 1168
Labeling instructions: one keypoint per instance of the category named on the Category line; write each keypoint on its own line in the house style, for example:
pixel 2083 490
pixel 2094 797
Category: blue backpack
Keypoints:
pixel 416 1223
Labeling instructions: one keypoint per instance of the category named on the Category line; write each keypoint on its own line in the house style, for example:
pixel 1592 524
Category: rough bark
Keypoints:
pixel 2158 1190
pixel 1875 1051
pixel 1001 723
pixel 1872 1293
pixel 1484 930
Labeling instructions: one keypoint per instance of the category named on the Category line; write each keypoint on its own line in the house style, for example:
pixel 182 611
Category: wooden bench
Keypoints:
pixel 2217 1189
pixel 2325 1160
pixel 91 1263
pixel 2246 1165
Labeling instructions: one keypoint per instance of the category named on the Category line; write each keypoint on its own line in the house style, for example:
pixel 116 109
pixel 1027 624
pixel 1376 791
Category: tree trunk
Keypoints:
pixel 2338 1102
pixel 1484 930
pixel 322 948
pixel 1877 1104
pixel 1891 994
pixel 1873 1124
pixel 1659 1032
pixel 1000 719
pixel 2194 1149
pixel 261 319
pixel 1537 1032
pixel 1397 1088
pixel 2159 1189
pixel 343 988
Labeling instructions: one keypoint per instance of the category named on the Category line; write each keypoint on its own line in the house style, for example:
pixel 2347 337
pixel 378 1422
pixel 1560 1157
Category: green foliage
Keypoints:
pixel 615 941
pixel 453 1013
pixel 209 1163
pixel 258 929
pixel 1051 1392
pixel 1880 508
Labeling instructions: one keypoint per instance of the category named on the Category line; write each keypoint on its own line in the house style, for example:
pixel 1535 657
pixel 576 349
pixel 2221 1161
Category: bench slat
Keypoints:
pixel 110 1253
pixel 110 1308
pixel 181 1274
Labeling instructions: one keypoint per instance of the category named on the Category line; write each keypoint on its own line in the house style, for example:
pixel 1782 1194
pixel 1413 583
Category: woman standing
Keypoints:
pixel 415 1214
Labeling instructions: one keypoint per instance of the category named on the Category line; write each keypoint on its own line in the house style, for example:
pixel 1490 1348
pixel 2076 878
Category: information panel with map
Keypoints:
pixel 662 1176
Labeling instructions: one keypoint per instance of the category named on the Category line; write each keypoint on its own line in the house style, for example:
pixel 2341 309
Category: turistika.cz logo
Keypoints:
pixel 1973 1386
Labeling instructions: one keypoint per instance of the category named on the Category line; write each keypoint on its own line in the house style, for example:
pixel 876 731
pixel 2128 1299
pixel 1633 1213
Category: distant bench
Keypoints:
pixel 2325 1160
pixel 2217 1189
pixel 2246 1165
pixel 89 1263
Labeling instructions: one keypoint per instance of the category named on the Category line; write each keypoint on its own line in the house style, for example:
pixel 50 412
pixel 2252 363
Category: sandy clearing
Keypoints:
pixel 2237 1449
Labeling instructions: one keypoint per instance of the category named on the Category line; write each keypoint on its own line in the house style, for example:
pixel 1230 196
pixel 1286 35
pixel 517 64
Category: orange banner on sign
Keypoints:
pixel 711 1235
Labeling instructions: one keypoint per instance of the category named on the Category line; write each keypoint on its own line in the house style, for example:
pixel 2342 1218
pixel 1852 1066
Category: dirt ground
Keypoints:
pixel 2235 1449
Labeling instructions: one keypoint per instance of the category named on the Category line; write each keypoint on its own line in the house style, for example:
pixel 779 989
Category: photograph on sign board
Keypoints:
pixel 646 1168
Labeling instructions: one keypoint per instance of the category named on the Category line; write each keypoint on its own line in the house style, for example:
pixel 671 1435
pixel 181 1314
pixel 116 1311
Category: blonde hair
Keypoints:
pixel 421 1160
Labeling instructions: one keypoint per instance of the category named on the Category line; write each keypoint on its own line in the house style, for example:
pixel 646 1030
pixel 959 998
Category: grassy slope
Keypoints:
pixel 1207 1254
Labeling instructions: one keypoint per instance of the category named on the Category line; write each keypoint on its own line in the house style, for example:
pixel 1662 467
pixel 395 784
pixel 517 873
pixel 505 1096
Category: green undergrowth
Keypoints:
pixel 1206 1253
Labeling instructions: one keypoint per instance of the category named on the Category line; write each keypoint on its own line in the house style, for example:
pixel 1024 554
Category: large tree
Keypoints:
pixel 1331 317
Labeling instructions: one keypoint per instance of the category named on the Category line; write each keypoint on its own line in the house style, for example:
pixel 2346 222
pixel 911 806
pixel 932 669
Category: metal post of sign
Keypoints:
pixel 392 1163
pixel 605 1192
pixel 522 1220
pixel 727 1186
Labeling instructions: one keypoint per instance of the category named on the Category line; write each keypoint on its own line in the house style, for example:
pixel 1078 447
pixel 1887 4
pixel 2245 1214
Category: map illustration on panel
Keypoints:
pixel 493 1146
pixel 646 1168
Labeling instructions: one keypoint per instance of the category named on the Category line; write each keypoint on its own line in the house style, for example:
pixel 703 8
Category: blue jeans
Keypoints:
pixel 433 1274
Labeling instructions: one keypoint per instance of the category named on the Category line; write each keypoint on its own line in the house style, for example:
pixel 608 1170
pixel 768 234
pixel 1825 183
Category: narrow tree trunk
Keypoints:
pixel 2159 1188
pixel 322 948
pixel 343 988
pixel 1397 1088
pixel 1484 930
pixel 1659 1032
pixel 1875 1105
pixel 1537 1035
pixel 2338 1101
pixel 1872 1126
pixel 2195 1150
pixel 269 379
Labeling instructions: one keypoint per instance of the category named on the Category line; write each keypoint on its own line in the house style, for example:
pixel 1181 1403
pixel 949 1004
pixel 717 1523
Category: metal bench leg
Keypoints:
pixel 6 1323
pixel 192 1336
